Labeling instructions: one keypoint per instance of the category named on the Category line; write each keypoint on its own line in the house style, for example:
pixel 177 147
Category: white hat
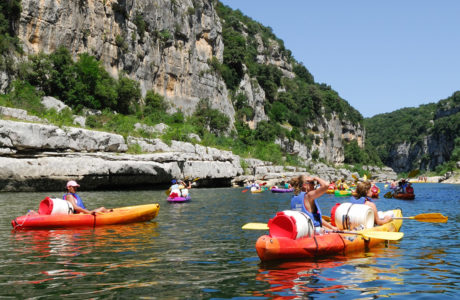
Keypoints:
pixel 72 183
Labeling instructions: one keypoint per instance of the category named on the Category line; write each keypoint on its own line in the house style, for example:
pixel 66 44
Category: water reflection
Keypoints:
pixel 290 280
pixel 66 253
pixel 361 273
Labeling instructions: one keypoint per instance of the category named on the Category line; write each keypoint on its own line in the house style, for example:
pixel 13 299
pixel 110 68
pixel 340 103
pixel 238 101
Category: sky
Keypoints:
pixel 380 56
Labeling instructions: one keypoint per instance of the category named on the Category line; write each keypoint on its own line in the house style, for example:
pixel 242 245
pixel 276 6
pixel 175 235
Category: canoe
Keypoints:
pixel 320 245
pixel 179 199
pixel 121 215
pixel 404 196
pixel 276 190
pixel 339 193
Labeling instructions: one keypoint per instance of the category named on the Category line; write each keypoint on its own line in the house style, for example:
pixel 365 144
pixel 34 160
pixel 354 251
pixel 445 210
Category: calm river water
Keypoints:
pixel 197 250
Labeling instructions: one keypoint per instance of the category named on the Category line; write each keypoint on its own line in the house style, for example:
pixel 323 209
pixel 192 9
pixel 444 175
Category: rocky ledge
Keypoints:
pixel 42 157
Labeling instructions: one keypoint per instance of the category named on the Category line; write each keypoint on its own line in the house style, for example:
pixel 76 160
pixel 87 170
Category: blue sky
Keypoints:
pixel 380 56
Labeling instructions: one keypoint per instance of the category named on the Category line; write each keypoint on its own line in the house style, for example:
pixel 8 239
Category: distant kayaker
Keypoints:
pixel 305 199
pixel 78 205
pixel 363 196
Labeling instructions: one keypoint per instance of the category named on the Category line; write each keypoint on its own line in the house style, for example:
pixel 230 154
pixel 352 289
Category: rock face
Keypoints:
pixel 42 157
pixel 434 149
pixel 170 56
pixel 166 46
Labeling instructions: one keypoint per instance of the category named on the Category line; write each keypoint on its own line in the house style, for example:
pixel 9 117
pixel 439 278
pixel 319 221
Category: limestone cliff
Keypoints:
pixel 165 45
pixel 168 46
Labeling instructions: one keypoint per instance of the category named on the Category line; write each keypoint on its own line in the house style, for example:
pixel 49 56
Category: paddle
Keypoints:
pixel 381 235
pixel 428 217
pixel 388 195
pixel 255 226
pixel 413 173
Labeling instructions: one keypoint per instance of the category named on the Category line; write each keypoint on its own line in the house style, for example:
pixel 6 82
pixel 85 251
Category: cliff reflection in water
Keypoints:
pixel 298 279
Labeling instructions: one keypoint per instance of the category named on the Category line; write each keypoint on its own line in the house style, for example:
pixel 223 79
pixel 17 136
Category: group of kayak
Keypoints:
pixel 304 232
pixel 342 189
pixel 256 188
pixel 299 232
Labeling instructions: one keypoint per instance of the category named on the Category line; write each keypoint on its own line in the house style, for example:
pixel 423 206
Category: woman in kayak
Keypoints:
pixel 78 205
pixel 363 196
pixel 305 199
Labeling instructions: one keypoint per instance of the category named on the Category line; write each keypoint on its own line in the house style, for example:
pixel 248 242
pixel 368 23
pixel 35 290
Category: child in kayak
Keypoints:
pixel 305 199
pixel 363 196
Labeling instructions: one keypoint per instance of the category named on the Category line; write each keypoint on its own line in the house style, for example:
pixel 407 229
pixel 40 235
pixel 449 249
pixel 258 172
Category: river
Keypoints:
pixel 197 250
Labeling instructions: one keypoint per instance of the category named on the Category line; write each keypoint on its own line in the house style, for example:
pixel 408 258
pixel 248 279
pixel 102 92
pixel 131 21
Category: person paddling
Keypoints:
pixel 305 199
pixel 78 205
pixel 363 196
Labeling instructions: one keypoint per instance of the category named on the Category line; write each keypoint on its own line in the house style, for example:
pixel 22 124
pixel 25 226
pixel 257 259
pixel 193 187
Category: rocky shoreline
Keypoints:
pixel 42 157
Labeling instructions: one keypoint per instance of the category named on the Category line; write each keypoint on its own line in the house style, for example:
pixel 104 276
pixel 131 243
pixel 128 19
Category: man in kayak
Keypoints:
pixel 78 205
pixel 363 196
pixel 305 199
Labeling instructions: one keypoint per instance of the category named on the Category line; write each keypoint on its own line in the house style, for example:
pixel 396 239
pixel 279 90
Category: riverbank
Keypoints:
pixel 37 156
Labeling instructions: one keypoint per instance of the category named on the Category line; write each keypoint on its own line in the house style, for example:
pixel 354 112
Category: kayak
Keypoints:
pixel 121 215
pixel 342 193
pixel 330 191
pixel 319 245
pixel 404 196
pixel 277 190
pixel 179 199
pixel 256 191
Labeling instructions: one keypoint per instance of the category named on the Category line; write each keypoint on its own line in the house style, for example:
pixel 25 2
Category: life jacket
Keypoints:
pixel 297 203
pixel 361 200
pixel 409 190
pixel 79 201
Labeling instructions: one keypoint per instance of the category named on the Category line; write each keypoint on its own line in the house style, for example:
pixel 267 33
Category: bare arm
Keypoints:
pixel 377 220
pixel 319 191
pixel 77 208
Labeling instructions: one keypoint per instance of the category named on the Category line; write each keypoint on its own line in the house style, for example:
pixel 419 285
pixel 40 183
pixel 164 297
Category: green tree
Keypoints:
pixel 129 95
pixel 210 118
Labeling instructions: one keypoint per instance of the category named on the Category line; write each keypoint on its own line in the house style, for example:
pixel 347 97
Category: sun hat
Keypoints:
pixel 72 183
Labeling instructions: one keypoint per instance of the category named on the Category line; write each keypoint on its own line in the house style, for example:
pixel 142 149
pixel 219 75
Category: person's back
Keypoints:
pixel 363 194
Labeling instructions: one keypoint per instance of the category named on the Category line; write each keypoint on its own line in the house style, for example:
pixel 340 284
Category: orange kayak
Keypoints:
pixel 121 215
pixel 318 245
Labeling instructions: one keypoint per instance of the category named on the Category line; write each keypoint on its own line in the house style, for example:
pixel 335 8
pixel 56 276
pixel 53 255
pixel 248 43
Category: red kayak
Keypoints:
pixel 271 247
pixel 404 196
